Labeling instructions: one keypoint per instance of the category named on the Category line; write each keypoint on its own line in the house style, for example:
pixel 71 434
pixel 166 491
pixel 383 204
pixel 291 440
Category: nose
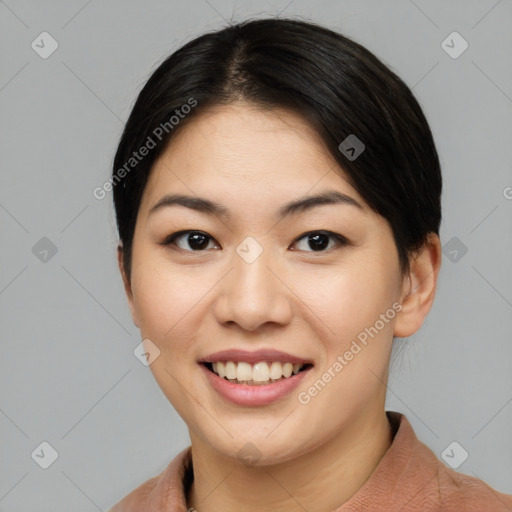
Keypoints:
pixel 253 294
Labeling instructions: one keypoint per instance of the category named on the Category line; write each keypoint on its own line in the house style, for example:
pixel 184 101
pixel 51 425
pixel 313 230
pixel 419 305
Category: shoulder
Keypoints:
pixel 449 490
pixel 458 491
pixel 410 477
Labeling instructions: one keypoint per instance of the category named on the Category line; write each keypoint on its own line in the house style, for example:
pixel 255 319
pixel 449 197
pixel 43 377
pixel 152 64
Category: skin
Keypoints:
pixel 191 303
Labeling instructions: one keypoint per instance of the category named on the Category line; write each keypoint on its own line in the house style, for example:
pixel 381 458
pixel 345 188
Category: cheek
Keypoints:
pixel 165 301
pixel 349 299
pixel 169 308
pixel 357 343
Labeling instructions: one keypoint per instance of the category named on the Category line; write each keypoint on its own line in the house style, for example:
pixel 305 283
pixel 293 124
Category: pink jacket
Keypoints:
pixel 409 478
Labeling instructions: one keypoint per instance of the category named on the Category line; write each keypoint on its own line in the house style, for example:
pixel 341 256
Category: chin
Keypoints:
pixel 259 450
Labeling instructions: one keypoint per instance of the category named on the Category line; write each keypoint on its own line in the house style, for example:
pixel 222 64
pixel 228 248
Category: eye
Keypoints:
pixel 195 239
pixel 317 241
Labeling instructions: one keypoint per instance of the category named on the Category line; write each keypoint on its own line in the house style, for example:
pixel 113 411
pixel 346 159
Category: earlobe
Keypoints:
pixel 419 288
pixel 127 284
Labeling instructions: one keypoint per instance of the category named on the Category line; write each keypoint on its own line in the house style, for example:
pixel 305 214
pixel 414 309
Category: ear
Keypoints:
pixel 419 288
pixel 127 284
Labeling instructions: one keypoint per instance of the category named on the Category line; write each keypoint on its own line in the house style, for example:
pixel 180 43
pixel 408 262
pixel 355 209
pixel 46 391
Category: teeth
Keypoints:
pixel 244 371
pixel 261 372
pixel 231 370
pixel 276 370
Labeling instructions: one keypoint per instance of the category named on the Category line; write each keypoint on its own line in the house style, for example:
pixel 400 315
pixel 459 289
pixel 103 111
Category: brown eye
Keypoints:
pixel 317 241
pixel 196 240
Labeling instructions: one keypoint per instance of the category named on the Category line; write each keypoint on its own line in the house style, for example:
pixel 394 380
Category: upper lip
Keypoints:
pixel 253 357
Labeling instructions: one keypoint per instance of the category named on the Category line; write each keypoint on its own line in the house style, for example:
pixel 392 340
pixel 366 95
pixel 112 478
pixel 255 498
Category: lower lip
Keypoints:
pixel 244 394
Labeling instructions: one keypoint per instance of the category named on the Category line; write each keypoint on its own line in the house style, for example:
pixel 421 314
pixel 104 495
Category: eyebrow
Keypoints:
pixel 209 207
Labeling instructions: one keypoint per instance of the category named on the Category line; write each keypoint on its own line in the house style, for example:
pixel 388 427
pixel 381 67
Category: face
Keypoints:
pixel 260 288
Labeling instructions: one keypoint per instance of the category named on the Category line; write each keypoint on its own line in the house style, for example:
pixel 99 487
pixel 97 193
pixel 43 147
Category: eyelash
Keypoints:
pixel 340 239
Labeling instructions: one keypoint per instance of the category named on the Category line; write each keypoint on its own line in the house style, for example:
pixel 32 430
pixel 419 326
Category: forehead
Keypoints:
pixel 241 148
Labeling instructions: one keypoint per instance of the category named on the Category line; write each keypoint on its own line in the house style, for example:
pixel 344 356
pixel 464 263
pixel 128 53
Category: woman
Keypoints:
pixel 277 193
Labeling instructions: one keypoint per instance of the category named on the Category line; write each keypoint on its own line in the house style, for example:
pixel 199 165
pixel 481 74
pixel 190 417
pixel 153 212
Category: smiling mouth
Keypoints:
pixel 262 373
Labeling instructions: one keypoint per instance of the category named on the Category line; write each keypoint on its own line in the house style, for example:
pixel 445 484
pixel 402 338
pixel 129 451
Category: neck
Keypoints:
pixel 322 479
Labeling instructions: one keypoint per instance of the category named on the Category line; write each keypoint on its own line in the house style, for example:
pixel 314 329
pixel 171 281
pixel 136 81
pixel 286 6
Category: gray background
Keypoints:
pixel 68 375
